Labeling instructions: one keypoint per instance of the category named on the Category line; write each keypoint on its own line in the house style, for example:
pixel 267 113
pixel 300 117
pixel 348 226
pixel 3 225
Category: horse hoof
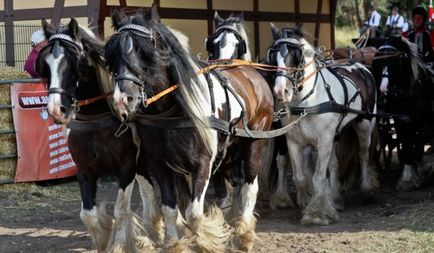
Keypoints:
pixel 339 204
pixel 280 202
pixel 407 186
pixel 370 196
pixel 309 220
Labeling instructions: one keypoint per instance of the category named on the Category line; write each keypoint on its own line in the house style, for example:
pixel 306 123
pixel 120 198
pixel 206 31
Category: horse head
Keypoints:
pixel 397 65
pixel 230 40
pixel 290 52
pixel 58 62
pixel 68 62
pixel 146 58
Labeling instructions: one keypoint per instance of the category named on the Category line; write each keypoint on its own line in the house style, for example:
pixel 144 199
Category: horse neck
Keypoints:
pixel 312 83
pixel 89 88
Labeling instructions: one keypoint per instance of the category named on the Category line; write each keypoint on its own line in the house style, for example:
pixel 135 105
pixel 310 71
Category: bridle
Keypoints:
pixel 211 47
pixel 54 41
pixel 382 49
pixel 142 32
pixel 296 76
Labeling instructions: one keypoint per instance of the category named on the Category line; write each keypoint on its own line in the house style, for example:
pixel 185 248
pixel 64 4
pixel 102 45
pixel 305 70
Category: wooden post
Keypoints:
pixel 210 17
pixel 57 13
pixel 101 17
pixel 93 15
pixel 256 27
pixel 317 23
pixel 9 33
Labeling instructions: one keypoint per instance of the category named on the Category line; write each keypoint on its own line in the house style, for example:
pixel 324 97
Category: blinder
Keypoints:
pixel 282 46
pixel 211 46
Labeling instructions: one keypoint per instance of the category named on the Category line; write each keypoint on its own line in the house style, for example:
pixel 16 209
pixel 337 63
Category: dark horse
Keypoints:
pixel 74 67
pixel 146 58
pixel 403 78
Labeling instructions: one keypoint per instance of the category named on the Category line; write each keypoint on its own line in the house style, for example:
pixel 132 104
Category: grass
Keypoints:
pixel 344 35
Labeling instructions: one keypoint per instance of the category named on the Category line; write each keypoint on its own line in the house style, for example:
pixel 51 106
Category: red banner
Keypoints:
pixel 41 144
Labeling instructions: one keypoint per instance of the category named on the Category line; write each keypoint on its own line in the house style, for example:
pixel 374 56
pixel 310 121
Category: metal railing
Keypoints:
pixel 9 107
pixel 22 45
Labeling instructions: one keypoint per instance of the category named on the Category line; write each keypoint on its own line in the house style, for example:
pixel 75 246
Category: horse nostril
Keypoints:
pixel 62 109
pixel 130 99
pixel 124 116
pixel 286 91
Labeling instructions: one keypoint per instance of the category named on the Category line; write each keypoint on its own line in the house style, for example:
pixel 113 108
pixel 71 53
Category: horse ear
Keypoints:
pixel 73 27
pixel 154 13
pixel 117 17
pixel 275 31
pixel 217 19
pixel 48 28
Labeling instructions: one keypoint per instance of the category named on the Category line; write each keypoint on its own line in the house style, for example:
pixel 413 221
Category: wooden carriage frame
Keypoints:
pixel 97 10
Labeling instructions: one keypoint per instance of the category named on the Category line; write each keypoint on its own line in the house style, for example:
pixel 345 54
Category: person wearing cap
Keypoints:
pixel 422 37
pixel 395 21
pixel 38 41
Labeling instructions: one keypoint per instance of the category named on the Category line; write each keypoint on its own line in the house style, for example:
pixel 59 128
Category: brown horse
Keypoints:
pixel 177 133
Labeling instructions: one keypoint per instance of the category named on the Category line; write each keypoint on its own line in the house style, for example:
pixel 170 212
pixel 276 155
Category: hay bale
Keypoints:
pixel 6 120
pixel 7 168
pixel 8 142
pixel 10 73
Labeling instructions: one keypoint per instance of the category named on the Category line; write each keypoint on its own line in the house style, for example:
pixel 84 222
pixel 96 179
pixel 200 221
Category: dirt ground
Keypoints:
pixel 46 219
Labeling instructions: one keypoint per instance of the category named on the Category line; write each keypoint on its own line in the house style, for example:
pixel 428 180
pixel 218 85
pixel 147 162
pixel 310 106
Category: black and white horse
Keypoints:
pixel 408 86
pixel 229 41
pixel 322 101
pixel 148 58
pixel 74 67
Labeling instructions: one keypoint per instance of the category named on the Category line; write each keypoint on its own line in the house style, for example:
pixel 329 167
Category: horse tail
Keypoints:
pixel 267 177
pixel 347 152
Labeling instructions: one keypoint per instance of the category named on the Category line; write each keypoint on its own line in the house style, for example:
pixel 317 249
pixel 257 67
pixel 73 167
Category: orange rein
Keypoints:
pixel 89 101
pixel 221 64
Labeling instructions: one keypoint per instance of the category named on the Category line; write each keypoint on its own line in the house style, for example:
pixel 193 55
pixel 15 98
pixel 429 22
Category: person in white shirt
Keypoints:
pixel 395 22
pixel 374 17
pixel 372 23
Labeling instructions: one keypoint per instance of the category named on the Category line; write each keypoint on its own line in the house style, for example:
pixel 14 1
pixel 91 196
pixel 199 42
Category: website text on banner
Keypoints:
pixel 41 144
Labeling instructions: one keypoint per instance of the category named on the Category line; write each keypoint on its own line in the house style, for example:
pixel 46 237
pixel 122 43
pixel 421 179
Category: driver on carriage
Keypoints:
pixel 395 22
pixel 372 23
pixel 422 37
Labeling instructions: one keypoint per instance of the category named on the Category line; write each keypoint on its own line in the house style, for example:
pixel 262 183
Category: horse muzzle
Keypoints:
pixel 59 113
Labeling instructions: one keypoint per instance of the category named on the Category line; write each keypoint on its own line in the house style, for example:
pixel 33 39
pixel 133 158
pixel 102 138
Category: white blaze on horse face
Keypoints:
pixel 54 99
pixel 384 81
pixel 228 50
pixel 282 93
pixel 121 101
